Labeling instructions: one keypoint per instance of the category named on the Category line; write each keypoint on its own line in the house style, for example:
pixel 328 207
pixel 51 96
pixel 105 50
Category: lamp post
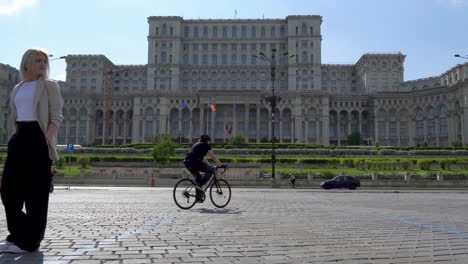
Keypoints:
pixel 273 100
pixel 460 56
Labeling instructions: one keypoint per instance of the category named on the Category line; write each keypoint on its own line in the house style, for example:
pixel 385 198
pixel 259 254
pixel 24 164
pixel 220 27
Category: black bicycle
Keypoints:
pixel 220 191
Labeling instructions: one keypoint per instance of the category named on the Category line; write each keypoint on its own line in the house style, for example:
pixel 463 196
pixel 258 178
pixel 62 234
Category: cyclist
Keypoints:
pixel 195 162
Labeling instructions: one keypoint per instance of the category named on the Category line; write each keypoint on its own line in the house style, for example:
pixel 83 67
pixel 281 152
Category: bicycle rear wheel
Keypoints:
pixel 220 193
pixel 184 194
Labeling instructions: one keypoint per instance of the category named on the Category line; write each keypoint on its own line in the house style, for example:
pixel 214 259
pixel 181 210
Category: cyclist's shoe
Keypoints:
pixel 200 197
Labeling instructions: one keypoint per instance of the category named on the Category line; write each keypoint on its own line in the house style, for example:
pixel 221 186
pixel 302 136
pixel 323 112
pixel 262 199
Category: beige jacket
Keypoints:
pixel 48 104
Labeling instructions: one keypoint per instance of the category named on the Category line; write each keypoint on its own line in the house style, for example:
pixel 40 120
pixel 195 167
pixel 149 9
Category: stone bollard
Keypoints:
pixel 440 177
pixel 407 177
pixel 375 177
pixel 310 178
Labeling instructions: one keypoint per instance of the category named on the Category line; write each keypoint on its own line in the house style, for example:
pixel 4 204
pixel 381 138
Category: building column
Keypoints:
pixel 189 136
pixel 426 132
pixel 317 131
pixel 280 126
pixel 180 123
pixel 298 129
pixel 135 129
pixel 113 127
pixel 398 132
pixel 338 129
pixel 449 128
pixel 258 124
pixel 202 121
pixel 376 129
pixel 269 124
pixel 306 131
pixel 247 122
pixel 234 121
pixel 212 124
pixel 348 125
pixel 437 122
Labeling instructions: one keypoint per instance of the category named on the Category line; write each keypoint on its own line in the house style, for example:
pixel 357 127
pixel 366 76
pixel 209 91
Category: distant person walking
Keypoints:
pixel 292 179
pixel 35 116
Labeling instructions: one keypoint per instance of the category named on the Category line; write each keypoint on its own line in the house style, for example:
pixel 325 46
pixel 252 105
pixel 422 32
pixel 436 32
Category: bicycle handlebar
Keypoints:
pixel 221 167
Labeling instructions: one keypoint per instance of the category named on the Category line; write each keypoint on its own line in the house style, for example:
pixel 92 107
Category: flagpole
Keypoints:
pixel 207 120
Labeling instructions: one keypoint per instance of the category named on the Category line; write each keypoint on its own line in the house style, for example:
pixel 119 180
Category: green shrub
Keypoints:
pixel 163 151
pixel 457 143
pixel 60 163
pixel 84 161
pixel 462 163
pixel 405 164
pixel 237 141
pixel 424 164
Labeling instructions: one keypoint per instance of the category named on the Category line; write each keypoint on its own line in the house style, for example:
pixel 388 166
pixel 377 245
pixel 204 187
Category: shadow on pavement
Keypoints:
pixel 219 211
pixel 30 258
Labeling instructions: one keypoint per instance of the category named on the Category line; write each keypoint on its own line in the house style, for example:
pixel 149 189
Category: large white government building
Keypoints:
pixel 196 62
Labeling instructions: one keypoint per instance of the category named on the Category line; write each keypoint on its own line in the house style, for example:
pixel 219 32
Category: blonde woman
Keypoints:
pixel 35 116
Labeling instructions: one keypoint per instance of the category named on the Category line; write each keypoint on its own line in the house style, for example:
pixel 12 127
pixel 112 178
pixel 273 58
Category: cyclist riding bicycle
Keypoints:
pixel 195 162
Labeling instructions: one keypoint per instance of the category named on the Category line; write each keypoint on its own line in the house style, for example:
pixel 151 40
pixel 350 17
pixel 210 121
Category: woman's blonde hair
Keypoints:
pixel 28 59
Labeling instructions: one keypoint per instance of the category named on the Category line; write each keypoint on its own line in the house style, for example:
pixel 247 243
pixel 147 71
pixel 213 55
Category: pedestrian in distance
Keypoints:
pixel 292 180
pixel 35 116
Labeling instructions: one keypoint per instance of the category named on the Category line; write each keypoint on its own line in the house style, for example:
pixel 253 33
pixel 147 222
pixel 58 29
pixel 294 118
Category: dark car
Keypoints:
pixel 341 182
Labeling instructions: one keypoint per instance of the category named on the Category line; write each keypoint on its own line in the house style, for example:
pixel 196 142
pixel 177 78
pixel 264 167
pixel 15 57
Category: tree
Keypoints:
pixel 158 138
pixel 164 150
pixel 238 141
pixel 355 139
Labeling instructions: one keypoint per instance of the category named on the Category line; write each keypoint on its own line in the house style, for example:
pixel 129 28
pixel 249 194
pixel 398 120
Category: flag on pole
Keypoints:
pixel 230 130
pixel 184 105
pixel 213 108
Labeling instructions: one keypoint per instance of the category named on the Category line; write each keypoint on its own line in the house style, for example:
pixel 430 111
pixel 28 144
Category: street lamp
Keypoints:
pixel 459 56
pixel 273 100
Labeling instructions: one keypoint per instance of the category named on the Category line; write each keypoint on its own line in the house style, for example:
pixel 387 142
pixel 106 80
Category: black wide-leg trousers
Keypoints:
pixel 26 182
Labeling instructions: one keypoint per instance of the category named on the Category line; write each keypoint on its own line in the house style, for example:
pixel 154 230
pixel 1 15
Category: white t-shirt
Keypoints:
pixel 24 102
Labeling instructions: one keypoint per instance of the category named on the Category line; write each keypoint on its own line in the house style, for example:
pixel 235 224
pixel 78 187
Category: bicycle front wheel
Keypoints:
pixel 220 193
pixel 184 194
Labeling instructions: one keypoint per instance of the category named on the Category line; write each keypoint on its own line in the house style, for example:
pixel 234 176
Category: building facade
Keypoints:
pixel 196 66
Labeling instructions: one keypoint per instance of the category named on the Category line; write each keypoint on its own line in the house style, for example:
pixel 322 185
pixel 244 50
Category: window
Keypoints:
pixel 263 32
pixel 215 32
pixel 186 32
pixel 205 59
pixel 234 31
pixel 205 32
pixel 253 32
pixel 214 59
pixel 244 60
pixel 195 32
pixel 304 29
pixel 273 32
pixel 195 59
pixel 225 32
pixel 244 32
pixel 234 59
pixel 224 59
pixel 282 32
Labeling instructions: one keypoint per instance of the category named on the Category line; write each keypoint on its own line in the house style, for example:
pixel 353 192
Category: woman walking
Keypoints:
pixel 35 116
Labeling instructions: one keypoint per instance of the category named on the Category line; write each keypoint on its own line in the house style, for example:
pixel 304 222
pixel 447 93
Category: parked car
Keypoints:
pixel 341 182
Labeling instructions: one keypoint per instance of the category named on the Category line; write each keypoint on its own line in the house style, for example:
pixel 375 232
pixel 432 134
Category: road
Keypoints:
pixel 143 225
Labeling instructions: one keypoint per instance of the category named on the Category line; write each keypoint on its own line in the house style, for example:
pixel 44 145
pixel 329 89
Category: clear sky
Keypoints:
pixel 429 32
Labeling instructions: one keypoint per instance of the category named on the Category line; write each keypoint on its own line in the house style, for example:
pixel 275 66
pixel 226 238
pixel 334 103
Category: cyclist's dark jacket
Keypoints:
pixel 198 151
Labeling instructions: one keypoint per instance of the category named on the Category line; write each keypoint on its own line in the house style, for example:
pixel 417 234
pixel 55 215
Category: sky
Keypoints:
pixel 428 32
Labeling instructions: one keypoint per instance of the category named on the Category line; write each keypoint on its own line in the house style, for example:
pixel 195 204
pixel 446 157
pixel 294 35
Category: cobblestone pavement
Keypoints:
pixel 143 225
